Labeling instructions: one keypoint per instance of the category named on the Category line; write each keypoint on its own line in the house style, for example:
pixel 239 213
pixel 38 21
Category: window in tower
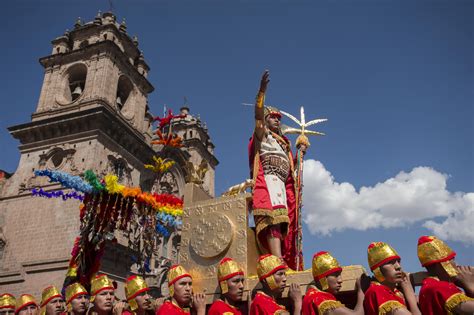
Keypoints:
pixel 124 88
pixel 76 81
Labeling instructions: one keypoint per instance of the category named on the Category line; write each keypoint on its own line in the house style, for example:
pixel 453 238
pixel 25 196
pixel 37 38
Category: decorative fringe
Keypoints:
pixel 328 305
pixel 390 306
pixel 454 300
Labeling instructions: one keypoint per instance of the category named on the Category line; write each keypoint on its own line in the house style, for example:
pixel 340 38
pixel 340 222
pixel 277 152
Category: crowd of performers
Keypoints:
pixel 449 289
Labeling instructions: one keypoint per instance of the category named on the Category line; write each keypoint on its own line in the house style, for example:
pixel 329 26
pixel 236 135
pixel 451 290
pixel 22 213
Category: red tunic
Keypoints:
pixel 380 299
pixel 319 302
pixel 263 304
pixel 220 307
pixel 262 203
pixel 440 297
pixel 170 308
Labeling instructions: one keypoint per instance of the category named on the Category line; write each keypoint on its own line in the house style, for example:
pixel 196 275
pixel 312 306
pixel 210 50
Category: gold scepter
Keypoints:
pixel 301 140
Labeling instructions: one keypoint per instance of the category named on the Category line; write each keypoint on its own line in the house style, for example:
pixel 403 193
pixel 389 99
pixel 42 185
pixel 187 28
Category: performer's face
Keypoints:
pixel 144 301
pixel 7 311
pixel 392 271
pixel 80 304
pixel 104 300
pixel 29 310
pixel 280 279
pixel 183 290
pixel 273 122
pixel 334 282
pixel 55 306
pixel 236 288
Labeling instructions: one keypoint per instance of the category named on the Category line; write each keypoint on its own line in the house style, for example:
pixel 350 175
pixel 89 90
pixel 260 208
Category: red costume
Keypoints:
pixel 380 299
pixel 438 297
pixel 263 304
pixel 170 308
pixel 267 266
pixel 220 307
pixel 317 302
pixel 266 210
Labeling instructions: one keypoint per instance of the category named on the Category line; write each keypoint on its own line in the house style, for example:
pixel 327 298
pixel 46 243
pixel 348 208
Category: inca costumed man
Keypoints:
pixel 52 302
pixel 102 295
pixel 26 305
pixel 327 276
pixel 136 292
pixel 7 304
pixel 231 281
pixel 438 294
pixel 180 284
pixel 77 299
pixel 383 297
pixel 274 193
pixel 271 271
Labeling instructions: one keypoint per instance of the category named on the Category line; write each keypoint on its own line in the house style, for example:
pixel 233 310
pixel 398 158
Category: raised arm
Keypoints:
pixel 259 107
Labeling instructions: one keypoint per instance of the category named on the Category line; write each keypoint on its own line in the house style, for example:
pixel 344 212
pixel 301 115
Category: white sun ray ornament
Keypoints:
pixel 302 124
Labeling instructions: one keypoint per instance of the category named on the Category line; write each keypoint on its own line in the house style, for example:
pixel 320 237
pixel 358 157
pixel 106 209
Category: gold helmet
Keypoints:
pixel 73 291
pixel 7 301
pixel 48 294
pixel 324 264
pixel 175 273
pixel 227 269
pixel 432 250
pixel 378 254
pixel 267 266
pixel 100 283
pixel 24 301
pixel 134 285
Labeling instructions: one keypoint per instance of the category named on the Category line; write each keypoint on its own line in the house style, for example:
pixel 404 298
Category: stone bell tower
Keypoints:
pixel 92 113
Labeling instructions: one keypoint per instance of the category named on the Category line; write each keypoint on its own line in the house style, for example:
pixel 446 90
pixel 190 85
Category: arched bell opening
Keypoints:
pixel 76 81
pixel 124 88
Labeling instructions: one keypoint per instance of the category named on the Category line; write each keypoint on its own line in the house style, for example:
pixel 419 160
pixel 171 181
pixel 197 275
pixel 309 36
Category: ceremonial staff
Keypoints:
pixel 301 140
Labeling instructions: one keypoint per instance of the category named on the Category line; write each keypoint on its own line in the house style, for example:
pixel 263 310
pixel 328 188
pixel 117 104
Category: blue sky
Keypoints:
pixel 394 78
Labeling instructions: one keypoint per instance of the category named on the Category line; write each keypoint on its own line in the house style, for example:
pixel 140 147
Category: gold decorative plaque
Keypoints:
pixel 212 235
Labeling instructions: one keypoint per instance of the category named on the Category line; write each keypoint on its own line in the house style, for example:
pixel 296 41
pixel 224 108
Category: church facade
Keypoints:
pixel 93 114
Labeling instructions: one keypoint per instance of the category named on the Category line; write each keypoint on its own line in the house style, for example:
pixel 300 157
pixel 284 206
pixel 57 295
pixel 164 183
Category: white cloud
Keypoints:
pixel 417 196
